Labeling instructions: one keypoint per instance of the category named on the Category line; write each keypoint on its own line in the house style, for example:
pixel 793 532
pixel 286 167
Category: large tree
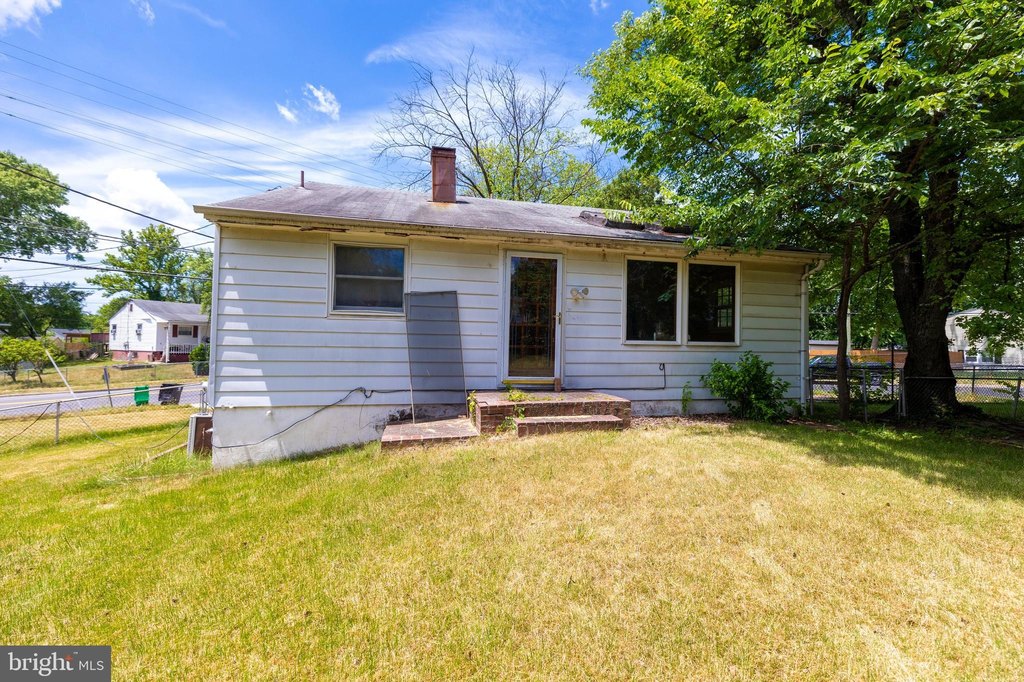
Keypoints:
pixel 148 265
pixel 821 123
pixel 514 134
pixel 31 219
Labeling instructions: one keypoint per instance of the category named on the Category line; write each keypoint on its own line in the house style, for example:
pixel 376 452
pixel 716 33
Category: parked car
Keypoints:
pixel 824 366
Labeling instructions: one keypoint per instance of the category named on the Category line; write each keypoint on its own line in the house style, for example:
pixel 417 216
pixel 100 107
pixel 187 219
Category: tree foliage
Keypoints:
pixel 996 285
pixel 30 217
pixel 183 275
pixel 57 304
pixel 513 134
pixel 821 124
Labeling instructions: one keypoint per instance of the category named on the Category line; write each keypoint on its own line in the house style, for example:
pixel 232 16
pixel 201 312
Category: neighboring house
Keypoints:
pixel 324 332
pixel 977 354
pixel 157 331
pixel 70 335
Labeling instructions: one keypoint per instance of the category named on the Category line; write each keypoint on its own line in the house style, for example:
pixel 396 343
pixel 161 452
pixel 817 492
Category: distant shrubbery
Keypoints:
pixel 749 388
pixel 200 357
pixel 16 353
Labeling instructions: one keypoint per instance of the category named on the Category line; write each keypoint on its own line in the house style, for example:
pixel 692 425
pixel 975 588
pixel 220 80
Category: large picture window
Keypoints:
pixel 651 300
pixel 711 305
pixel 369 278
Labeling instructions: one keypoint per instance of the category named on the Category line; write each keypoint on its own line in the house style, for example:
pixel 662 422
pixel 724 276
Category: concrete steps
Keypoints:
pixel 537 413
pixel 536 426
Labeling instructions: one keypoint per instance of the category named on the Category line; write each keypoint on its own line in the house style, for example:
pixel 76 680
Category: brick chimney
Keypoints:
pixel 442 170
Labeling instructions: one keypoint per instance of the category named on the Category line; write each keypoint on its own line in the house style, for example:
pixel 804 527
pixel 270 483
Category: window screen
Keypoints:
pixel 368 278
pixel 651 300
pixel 711 315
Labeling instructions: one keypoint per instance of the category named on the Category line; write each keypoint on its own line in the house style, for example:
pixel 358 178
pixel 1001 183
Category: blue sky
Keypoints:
pixel 314 76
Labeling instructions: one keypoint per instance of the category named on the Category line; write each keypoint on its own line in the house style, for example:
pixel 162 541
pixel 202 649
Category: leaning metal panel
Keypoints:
pixel 434 339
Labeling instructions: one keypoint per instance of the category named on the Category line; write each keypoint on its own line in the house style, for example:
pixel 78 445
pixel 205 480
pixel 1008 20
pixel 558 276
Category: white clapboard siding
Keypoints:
pixel 277 344
pixel 596 357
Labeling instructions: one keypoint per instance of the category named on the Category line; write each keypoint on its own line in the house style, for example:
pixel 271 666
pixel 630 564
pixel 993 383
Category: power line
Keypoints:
pixel 114 145
pixel 199 133
pixel 231 163
pixel 103 237
pixel 186 108
pixel 103 201
pixel 108 269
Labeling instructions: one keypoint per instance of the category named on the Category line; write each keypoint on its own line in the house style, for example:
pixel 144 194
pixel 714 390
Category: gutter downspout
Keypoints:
pixel 805 326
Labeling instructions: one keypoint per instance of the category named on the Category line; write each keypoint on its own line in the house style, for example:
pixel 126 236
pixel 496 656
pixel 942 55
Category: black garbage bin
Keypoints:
pixel 170 394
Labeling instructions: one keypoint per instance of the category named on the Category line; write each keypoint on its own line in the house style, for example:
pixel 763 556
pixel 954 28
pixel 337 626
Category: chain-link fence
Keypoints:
pixel 874 390
pixel 27 422
pixel 99 375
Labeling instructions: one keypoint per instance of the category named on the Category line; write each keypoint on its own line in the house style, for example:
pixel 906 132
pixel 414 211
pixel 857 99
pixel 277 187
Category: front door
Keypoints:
pixel 533 315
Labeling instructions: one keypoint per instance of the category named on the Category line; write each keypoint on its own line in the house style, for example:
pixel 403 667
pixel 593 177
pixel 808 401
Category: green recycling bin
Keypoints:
pixel 141 395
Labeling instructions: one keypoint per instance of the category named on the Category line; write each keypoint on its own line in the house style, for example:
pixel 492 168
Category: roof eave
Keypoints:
pixel 256 218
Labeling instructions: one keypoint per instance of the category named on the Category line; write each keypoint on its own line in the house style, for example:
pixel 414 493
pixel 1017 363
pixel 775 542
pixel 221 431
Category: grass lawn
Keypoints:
pixel 732 552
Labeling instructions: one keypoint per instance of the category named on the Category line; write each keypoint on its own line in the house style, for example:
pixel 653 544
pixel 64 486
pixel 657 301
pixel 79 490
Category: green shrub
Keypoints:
pixel 200 353
pixel 749 388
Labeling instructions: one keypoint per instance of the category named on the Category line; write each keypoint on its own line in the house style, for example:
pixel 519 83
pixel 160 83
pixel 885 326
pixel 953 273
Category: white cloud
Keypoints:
pixel 322 100
pixel 286 113
pixel 15 13
pixel 450 42
pixel 145 10
pixel 202 16
pixel 596 6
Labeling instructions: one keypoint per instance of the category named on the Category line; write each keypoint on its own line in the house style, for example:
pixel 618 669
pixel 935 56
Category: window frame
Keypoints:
pixel 332 278
pixel 680 283
pixel 736 303
pixel 113 332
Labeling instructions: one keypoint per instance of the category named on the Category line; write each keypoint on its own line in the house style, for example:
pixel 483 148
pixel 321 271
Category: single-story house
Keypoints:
pixel 336 309
pixel 978 353
pixel 157 331
pixel 69 335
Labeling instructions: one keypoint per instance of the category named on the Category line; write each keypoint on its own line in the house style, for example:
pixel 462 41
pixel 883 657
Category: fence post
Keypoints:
pixel 864 392
pixel 1016 396
pixel 974 379
pixel 810 400
pixel 56 426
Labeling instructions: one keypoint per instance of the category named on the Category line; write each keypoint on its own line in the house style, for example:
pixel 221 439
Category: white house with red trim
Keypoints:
pixel 157 331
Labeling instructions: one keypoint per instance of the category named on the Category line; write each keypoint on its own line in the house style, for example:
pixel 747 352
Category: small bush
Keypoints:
pixel 749 388
pixel 200 353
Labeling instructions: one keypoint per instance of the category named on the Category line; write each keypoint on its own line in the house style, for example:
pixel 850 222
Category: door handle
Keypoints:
pixel 558 318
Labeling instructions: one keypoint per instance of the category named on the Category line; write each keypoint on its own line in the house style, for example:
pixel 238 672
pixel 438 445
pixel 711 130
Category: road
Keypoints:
pixel 31 403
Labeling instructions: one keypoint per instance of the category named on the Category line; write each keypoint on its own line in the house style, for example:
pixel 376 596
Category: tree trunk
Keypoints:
pixel 928 266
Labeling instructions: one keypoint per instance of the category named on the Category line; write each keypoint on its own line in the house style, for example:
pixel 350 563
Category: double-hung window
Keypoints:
pixel 113 332
pixel 711 304
pixel 369 278
pixel 652 300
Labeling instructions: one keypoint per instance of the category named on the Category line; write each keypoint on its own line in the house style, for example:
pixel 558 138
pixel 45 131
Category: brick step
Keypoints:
pixel 407 434
pixel 493 408
pixel 535 426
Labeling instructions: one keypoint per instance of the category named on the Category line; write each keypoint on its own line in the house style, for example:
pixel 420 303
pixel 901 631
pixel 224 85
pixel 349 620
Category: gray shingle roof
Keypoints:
pixel 320 200
pixel 172 311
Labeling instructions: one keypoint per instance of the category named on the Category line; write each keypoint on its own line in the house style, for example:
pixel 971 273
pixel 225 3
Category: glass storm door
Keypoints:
pixel 533 316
